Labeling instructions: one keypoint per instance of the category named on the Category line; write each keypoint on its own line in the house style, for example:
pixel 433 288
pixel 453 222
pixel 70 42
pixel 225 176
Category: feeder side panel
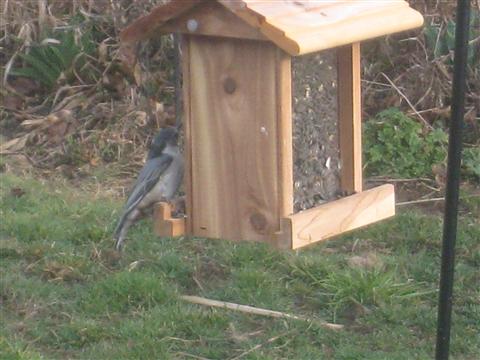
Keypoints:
pixel 236 179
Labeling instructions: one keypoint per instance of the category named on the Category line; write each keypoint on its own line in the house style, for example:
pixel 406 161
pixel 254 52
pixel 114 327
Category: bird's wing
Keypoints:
pixel 148 177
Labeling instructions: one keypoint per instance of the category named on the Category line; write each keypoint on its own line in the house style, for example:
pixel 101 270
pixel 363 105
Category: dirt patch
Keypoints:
pixel 210 271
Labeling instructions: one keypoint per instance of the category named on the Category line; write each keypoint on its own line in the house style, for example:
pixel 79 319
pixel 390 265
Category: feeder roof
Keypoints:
pixel 297 26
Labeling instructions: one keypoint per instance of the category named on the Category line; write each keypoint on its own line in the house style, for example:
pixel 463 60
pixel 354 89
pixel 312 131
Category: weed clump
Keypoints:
pixel 56 57
pixel 397 145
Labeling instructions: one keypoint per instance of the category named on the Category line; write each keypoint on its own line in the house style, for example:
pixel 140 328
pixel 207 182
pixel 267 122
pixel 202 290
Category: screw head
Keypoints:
pixel 192 25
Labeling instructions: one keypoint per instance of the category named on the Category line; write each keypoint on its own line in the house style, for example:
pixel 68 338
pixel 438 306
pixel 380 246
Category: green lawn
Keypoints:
pixel 65 293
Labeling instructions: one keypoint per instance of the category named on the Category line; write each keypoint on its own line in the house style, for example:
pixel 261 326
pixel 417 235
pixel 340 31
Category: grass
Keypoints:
pixel 65 294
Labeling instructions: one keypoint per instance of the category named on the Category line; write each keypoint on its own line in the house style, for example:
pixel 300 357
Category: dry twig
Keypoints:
pixel 425 122
pixel 254 310
pixel 431 200
pixel 258 346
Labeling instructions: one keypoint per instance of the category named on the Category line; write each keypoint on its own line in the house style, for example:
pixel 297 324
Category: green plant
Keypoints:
pixel 376 287
pixel 471 162
pixel 397 145
pixel 56 56
pixel 13 351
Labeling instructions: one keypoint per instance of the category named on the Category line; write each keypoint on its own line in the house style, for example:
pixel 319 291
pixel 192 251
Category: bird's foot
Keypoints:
pixel 119 244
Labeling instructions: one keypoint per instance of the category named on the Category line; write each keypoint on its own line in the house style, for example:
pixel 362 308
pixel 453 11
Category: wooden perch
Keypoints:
pixel 254 310
pixel 164 224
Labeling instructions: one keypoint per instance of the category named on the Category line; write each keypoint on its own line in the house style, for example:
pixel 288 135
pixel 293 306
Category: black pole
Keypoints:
pixel 453 181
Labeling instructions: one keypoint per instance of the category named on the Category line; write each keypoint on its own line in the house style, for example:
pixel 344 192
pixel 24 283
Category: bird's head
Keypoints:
pixel 166 137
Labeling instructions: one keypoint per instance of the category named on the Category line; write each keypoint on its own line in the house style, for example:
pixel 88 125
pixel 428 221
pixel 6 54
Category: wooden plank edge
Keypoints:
pixel 187 116
pixel 350 117
pixel 340 216
pixel 282 239
pixel 259 22
pixel 323 38
pixel 283 80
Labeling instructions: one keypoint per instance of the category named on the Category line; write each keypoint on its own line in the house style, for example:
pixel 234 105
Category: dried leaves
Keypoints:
pixel 96 114
pixel 50 129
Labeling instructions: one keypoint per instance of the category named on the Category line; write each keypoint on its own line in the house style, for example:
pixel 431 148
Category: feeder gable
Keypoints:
pixel 298 27
pixel 212 19
pixel 146 26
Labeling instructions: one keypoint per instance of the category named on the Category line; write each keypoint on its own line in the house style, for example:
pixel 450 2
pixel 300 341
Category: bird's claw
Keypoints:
pixel 118 245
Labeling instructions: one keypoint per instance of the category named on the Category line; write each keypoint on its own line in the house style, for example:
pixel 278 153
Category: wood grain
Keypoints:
pixel 340 216
pixel 164 224
pixel 239 190
pixel 297 26
pixel 350 117
pixel 302 27
pixel 186 75
pixel 213 20
pixel 146 26
pixel 283 65
pixel 282 239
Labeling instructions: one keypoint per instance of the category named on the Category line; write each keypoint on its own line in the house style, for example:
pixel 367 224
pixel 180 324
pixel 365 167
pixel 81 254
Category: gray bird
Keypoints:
pixel 158 180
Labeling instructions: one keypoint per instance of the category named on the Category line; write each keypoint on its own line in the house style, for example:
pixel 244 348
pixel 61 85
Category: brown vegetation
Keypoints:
pixel 97 112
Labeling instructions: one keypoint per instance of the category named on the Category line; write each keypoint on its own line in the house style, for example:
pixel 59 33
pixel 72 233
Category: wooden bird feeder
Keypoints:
pixel 237 86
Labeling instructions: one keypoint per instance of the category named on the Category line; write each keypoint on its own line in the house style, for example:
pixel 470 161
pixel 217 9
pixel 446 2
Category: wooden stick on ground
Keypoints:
pixel 431 200
pixel 253 310
pixel 419 201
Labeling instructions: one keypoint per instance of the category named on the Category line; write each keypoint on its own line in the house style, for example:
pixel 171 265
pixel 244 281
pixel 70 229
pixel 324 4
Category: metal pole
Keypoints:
pixel 453 181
